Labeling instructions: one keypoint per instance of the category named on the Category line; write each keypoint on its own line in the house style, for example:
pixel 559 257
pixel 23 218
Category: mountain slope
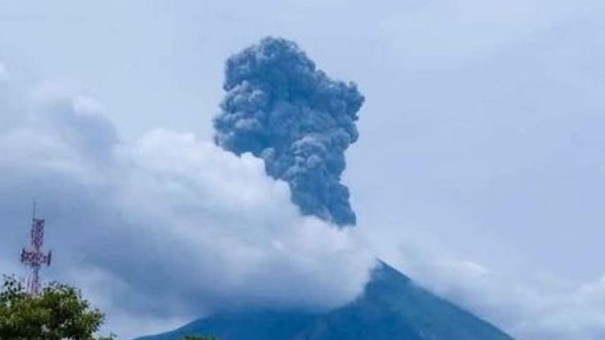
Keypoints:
pixel 394 307
pixel 391 307
pixel 258 325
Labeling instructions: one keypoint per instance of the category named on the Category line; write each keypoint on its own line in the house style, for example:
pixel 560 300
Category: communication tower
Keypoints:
pixel 33 256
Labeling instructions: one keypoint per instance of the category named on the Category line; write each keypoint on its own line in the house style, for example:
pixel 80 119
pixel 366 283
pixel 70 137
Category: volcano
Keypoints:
pixel 391 307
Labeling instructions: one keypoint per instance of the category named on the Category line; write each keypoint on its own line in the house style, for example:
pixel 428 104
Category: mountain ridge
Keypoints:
pixel 391 307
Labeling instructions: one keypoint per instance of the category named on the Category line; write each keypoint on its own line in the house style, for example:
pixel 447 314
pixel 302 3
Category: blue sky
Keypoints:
pixel 481 144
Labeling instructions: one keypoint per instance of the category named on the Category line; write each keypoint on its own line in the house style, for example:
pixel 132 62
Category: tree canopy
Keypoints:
pixel 58 313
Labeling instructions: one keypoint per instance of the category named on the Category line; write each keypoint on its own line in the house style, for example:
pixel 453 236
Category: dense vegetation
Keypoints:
pixel 58 313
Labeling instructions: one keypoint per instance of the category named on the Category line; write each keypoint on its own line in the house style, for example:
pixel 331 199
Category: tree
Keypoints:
pixel 59 312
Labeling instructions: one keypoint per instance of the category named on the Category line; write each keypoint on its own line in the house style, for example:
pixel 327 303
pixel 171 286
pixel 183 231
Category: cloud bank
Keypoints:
pixel 533 307
pixel 168 226
pixel 281 108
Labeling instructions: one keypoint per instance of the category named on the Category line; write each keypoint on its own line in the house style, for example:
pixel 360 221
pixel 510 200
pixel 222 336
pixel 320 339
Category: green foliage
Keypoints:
pixel 59 312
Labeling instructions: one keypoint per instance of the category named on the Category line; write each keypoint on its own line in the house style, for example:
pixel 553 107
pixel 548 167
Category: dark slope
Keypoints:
pixel 258 325
pixel 392 307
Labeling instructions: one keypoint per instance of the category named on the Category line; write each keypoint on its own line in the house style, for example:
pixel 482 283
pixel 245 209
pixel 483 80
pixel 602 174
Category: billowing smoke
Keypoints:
pixel 166 226
pixel 283 109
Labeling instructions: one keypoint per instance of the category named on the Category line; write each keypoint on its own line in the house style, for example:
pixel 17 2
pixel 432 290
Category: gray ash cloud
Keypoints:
pixel 280 107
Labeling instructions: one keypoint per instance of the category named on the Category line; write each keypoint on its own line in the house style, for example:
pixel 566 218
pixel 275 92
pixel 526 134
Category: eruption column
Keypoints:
pixel 281 108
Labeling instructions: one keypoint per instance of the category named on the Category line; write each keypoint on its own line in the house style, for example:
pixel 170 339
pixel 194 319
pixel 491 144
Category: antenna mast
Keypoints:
pixel 33 256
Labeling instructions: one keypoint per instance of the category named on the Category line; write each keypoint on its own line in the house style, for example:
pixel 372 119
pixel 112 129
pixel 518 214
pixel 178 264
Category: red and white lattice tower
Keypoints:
pixel 33 256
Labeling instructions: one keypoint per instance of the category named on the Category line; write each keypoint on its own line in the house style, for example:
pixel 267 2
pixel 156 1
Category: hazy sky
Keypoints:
pixel 481 136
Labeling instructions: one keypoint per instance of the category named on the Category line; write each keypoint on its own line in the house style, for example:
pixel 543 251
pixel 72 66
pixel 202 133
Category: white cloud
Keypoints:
pixel 167 227
pixel 222 220
pixel 529 308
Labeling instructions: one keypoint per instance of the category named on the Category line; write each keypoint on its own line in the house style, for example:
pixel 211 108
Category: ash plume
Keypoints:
pixel 280 107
